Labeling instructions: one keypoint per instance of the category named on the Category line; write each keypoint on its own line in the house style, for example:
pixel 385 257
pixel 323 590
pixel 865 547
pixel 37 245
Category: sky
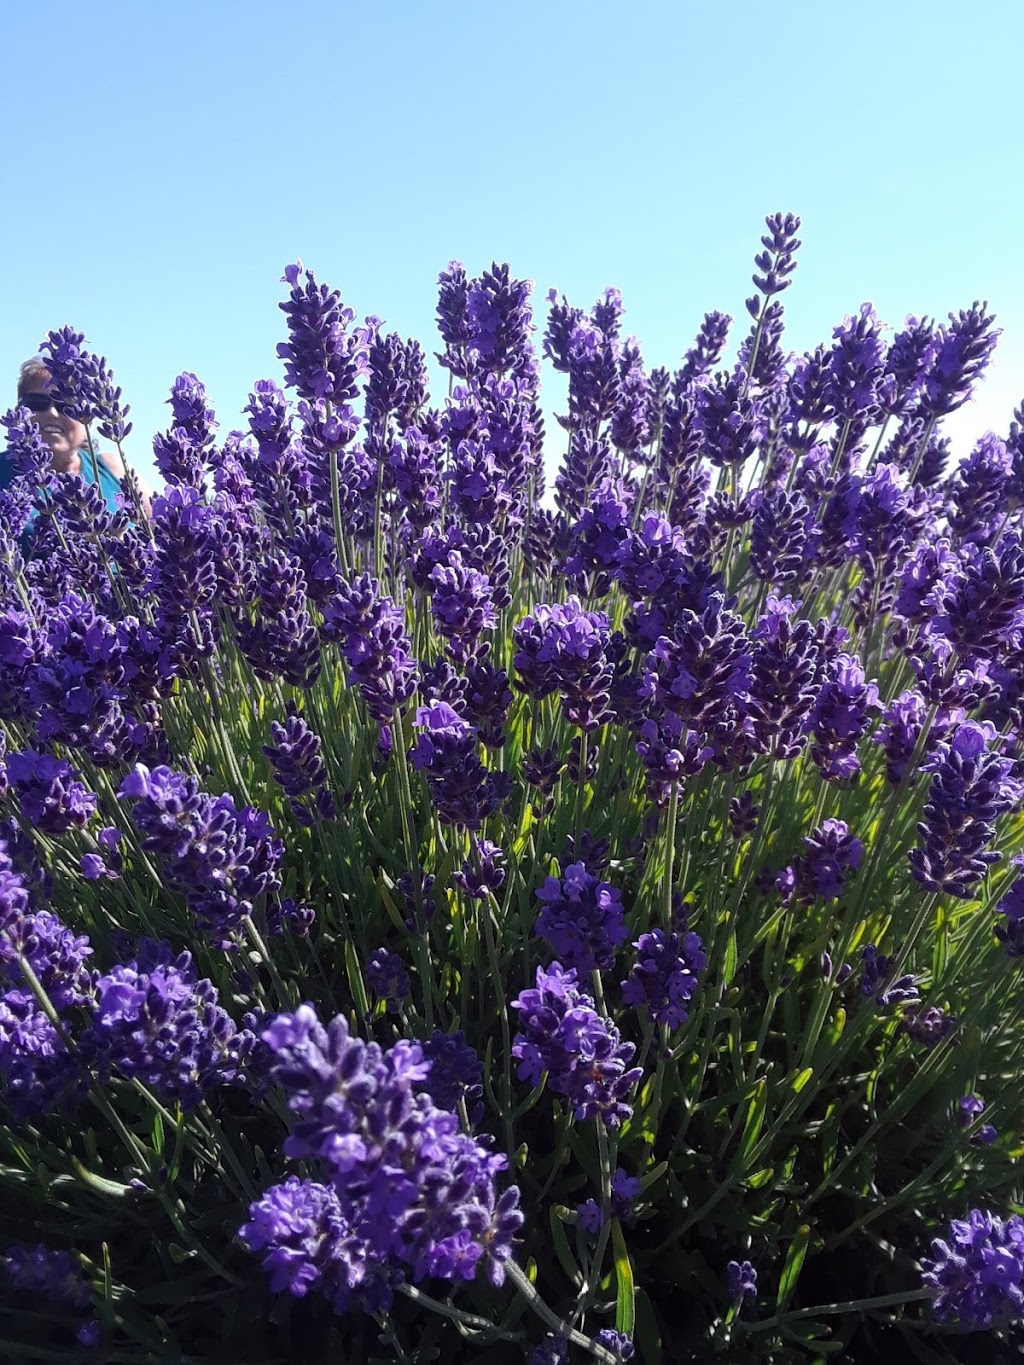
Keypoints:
pixel 166 161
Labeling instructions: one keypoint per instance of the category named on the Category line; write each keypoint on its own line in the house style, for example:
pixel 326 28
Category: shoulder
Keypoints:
pixel 113 462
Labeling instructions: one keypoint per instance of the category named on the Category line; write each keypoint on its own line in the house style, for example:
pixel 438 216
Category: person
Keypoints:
pixel 67 439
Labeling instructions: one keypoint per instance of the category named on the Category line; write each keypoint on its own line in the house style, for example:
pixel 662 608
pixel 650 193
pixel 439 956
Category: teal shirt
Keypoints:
pixel 110 485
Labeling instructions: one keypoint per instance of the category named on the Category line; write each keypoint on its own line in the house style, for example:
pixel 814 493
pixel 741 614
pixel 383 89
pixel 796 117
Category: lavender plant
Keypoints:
pixel 437 919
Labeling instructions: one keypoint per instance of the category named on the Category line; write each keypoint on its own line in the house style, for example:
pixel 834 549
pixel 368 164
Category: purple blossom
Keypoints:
pixel 581 1051
pixel 49 795
pixel 740 1280
pixel 840 717
pixel 663 978
pixel 975 1273
pixel 463 791
pixel 961 353
pixel 223 859
pixel 387 978
pixel 412 1188
pixel 581 917
pixel 371 631
pixel 971 787
pixel 832 857
pixel 620 1345
pixel 154 1020
pixel 461 605
pixel 296 756
pixel 456 1073
pixel 322 358
pixel 877 980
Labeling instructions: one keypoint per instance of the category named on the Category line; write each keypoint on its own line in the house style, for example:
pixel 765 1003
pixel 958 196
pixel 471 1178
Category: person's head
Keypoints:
pixel 63 434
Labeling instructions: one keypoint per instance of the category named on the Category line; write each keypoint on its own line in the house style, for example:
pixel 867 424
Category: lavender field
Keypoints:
pixel 446 917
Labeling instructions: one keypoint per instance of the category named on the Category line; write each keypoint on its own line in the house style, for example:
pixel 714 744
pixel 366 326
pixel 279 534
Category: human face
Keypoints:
pixel 62 434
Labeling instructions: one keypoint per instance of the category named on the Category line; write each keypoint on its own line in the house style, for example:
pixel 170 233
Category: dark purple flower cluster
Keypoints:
pixel 456 1074
pixel 412 1193
pixel 387 978
pixel 832 857
pixel 84 386
pixel 371 631
pixel 225 860
pixel 53 1280
pixel 581 1051
pixel 840 717
pixel 877 981
pixel 562 648
pixel 971 787
pixel 463 791
pixel 663 978
pixel 975 1273
pixel 461 605
pixel 581 917
pixel 740 1280
pixel 155 1021
pixel 49 795
pixel 296 756
pixel 1010 933
pixel 281 642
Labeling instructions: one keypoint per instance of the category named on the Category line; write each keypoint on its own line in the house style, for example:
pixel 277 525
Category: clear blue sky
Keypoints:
pixel 165 161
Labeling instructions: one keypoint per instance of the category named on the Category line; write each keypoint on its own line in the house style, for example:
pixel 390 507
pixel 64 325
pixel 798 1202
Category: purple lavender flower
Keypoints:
pixel 51 1274
pixel 456 1073
pixel 154 1020
pixel 899 733
pixel 282 641
pixel 975 1274
pixel 664 977
pixel 784 665
pixel 463 791
pixel 486 699
pixel 181 453
pixel 581 917
pixel 38 938
pixel 84 386
pixel 961 353
pixel 322 358
pixel 49 795
pixel 780 536
pixel 223 859
pixel 461 605
pixel 39 1075
pixel 740 1280
pixel 906 366
pixel 387 978
pixel 1011 905
pixel 412 1188
pixel 971 787
pixel 371 631
pixel 856 365
pixel 743 815
pixel 728 425
pixel 620 1345
pixel 840 718
pixel 700 671
pixel 296 755
pixel 776 262
pixel 310 1246
pixel 563 648
pixel 484 874
pixel 980 603
pixel 929 1025
pixel 877 980
pixel 833 856
pixel 977 491
pixel 581 1051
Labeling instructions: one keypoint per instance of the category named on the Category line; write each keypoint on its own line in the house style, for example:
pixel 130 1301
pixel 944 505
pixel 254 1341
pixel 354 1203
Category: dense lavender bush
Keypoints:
pixel 437 921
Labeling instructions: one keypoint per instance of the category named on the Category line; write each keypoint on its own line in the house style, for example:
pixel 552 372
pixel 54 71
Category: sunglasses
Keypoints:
pixel 41 402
